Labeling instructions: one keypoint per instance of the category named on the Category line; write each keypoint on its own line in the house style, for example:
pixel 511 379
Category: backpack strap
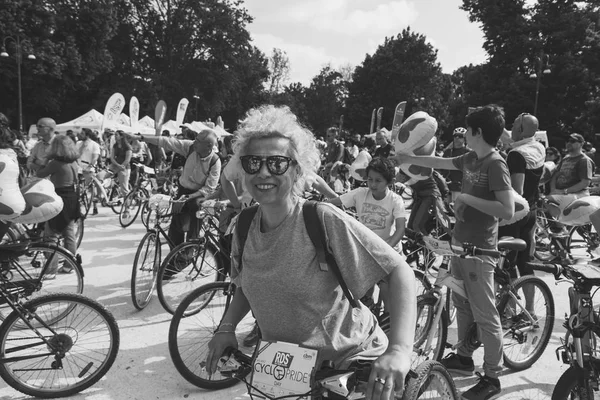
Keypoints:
pixel 243 226
pixel 316 232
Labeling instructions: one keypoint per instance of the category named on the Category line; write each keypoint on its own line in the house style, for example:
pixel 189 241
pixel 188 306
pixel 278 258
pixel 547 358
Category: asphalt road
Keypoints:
pixel 143 369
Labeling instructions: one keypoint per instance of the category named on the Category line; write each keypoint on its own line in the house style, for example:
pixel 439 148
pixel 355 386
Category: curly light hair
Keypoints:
pixel 269 121
pixel 63 148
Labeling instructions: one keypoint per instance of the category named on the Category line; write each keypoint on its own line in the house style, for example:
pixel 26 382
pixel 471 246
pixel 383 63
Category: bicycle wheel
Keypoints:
pixel 433 381
pixel 145 268
pixel 85 203
pixel 572 385
pixel 114 199
pixel 146 214
pixel 524 339
pixel 187 267
pixel 450 308
pixel 76 343
pixel 426 322
pixel 132 203
pixel 196 320
pixel 34 273
pixel 79 230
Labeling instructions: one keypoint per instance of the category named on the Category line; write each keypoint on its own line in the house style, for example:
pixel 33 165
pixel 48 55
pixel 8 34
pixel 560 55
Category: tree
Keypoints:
pixel 324 100
pixel 404 67
pixel 279 68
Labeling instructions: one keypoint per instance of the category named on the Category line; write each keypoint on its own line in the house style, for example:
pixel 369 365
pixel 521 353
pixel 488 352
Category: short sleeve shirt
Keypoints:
pixel 295 301
pixel 481 178
pixel 377 215
pixel 573 170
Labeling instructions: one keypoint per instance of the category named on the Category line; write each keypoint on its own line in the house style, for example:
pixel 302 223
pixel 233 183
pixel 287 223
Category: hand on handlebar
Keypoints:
pixel 388 375
pixel 216 348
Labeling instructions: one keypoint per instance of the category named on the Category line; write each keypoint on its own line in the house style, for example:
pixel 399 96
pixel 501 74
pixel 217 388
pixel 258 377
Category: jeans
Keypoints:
pixel 123 176
pixel 69 239
pixel 480 307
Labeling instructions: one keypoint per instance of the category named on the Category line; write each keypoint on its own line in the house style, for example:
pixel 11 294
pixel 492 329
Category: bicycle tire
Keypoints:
pixel 186 267
pixel 84 203
pixel 193 325
pixel 520 336
pixel 85 323
pixel 146 215
pixel 36 264
pixel 433 381
pixel 79 230
pixel 425 323
pixel 113 198
pixel 132 204
pixel 572 385
pixel 145 270
pixel 450 308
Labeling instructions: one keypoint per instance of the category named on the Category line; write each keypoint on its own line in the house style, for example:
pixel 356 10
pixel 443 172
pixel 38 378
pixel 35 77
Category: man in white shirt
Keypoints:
pixel 89 152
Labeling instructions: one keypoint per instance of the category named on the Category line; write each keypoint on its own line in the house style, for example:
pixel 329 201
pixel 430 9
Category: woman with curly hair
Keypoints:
pixel 62 171
pixel 291 297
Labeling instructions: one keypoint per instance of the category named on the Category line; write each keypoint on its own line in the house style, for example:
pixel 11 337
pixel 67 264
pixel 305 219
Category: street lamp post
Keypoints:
pixel 196 97
pixel 541 67
pixel 18 56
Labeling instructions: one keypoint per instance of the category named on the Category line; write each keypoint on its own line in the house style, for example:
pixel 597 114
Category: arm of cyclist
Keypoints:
pixel 503 207
pixel 230 191
pixel 322 187
pixel 425 161
pixel 393 365
pixel 225 335
pixel 48 170
pixel 399 233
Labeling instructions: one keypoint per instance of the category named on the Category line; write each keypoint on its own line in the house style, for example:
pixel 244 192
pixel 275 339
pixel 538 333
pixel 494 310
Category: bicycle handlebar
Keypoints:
pixel 464 250
pixel 328 379
pixel 554 269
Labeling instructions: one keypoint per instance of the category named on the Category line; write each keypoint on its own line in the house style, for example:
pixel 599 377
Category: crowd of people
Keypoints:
pixel 272 160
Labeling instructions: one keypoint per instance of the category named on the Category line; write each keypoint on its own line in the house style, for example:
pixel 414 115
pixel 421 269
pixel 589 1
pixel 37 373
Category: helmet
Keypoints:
pixel 460 131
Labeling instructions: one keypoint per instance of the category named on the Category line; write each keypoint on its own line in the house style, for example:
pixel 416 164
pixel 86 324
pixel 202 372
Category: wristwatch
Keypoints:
pixel 566 192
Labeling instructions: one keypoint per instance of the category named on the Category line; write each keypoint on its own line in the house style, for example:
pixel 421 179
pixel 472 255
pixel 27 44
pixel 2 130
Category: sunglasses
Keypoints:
pixel 276 165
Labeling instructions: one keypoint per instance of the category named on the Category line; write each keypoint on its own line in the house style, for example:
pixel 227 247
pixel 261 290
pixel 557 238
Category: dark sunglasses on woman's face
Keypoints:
pixel 276 165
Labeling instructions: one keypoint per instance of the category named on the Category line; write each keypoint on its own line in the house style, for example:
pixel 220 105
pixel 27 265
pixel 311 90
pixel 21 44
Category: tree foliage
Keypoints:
pixel 403 68
pixel 279 69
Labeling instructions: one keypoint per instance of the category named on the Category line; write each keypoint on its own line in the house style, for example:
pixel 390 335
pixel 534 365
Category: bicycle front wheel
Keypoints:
pixel 132 203
pixel 196 320
pixel 187 267
pixel 433 381
pixel 525 338
pixel 37 273
pixel 74 344
pixel 145 268
pixel 572 385
pixel 426 348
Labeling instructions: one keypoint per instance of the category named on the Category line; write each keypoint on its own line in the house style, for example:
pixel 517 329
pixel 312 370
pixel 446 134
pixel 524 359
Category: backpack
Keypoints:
pixel 316 232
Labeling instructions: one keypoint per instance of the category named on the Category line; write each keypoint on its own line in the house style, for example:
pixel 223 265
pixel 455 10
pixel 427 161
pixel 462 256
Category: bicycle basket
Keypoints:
pixel 160 202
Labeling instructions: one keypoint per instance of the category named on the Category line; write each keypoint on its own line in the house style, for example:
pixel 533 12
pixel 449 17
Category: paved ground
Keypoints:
pixel 143 369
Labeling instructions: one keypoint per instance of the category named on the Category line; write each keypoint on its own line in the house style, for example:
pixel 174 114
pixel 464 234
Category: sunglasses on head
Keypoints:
pixel 276 165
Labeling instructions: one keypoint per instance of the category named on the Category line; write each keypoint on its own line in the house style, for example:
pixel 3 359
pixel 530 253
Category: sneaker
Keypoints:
pixel 49 277
pixel 252 339
pixel 487 388
pixel 460 365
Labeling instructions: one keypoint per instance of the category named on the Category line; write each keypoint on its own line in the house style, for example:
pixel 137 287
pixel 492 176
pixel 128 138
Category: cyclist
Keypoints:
pixel 281 281
pixel 199 177
pixel 486 195
pixel 89 153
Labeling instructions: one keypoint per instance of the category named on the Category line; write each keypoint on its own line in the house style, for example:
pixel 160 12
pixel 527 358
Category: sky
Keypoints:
pixel 314 33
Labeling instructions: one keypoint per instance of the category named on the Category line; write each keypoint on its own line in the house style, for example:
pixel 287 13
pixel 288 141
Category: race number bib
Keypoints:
pixel 282 369
pixel 441 247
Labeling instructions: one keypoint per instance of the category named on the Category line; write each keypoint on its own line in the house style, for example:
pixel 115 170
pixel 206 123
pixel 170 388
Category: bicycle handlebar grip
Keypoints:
pixel 554 269
pixel 487 252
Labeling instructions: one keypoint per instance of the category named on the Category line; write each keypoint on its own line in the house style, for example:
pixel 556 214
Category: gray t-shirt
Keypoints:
pixel 481 178
pixel 294 301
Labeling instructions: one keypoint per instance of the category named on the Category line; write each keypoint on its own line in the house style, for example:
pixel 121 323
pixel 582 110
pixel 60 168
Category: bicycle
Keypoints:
pixel 526 327
pixel 579 347
pixel 54 345
pixel 102 184
pixel 20 231
pixel 137 197
pixel 148 256
pixel 27 270
pixel 195 262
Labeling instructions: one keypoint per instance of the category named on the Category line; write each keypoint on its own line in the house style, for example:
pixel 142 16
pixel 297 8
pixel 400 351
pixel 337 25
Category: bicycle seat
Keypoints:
pixel 589 272
pixel 510 243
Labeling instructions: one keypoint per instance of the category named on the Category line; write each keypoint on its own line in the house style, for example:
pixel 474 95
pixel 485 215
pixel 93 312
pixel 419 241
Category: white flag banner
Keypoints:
pixel 112 111
pixel 134 111
pixel 159 115
pixel 181 109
